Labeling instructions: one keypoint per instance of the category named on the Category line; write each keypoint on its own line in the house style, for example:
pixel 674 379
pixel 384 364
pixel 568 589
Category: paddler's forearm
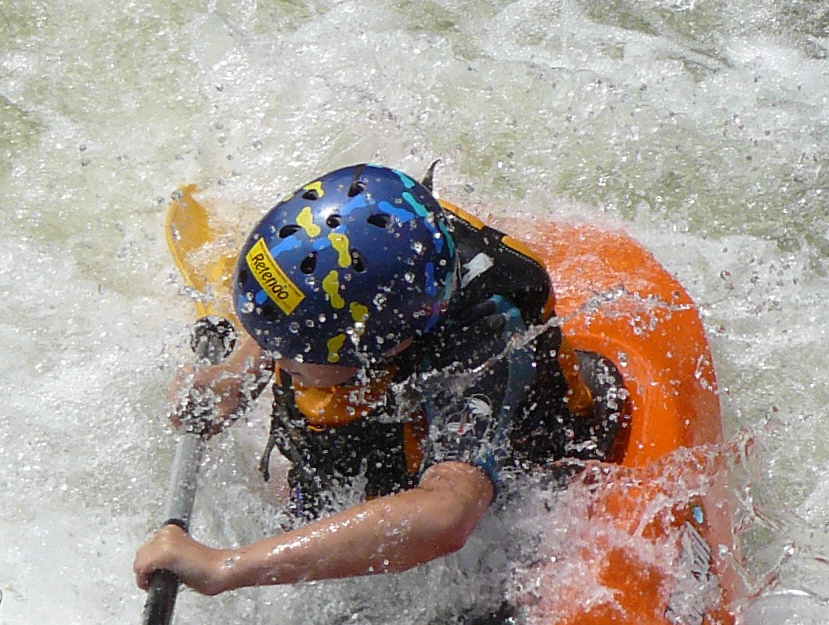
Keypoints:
pixel 388 534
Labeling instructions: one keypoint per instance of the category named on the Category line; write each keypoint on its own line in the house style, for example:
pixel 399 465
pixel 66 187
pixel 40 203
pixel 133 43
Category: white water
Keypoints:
pixel 702 126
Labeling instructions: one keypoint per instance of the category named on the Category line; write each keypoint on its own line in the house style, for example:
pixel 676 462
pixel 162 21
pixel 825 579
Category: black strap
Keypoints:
pixel 265 460
pixel 281 389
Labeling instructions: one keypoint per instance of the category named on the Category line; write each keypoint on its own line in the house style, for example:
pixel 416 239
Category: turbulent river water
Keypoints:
pixel 700 126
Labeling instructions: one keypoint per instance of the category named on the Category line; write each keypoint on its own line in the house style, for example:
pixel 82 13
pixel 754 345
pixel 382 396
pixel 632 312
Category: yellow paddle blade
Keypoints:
pixel 201 254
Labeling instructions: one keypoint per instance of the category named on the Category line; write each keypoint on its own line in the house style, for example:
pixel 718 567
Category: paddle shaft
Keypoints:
pixel 181 492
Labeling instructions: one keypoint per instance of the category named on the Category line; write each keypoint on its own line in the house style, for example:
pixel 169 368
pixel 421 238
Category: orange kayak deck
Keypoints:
pixel 668 493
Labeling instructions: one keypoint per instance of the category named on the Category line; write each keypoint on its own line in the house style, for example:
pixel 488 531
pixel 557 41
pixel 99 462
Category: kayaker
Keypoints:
pixel 413 352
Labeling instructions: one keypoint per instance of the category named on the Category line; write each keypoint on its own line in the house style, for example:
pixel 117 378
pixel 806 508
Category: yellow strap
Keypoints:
pixel 467 217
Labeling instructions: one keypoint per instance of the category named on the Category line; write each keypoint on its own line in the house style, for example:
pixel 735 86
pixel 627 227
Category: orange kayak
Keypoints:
pixel 657 537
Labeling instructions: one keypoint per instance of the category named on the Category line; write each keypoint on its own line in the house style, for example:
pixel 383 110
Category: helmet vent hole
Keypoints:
pixel 311 195
pixel 286 231
pixel 380 220
pixel 356 188
pixel 333 221
pixel 357 261
pixel 309 263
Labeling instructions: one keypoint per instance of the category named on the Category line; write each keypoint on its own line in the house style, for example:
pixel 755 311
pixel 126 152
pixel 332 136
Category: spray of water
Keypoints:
pixel 700 126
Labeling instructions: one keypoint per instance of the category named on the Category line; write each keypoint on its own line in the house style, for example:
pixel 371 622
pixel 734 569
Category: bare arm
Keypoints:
pixel 388 534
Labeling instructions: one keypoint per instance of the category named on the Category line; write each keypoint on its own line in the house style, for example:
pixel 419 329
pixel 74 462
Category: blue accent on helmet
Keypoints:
pixel 286 246
pixel 401 213
pixel 370 260
pixel 407 182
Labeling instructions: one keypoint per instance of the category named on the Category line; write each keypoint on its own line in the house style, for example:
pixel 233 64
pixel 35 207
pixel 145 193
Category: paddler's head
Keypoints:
pixel 348 270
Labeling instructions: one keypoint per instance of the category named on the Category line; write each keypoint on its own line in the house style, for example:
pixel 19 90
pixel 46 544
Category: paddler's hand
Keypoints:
pixel 196 565
pixel 209 398
pixel 200 401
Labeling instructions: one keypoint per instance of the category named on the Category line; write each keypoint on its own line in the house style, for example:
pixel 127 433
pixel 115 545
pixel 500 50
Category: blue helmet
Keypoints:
pixel 347 268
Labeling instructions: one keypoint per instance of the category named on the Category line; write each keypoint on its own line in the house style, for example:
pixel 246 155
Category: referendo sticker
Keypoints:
pixel 272 279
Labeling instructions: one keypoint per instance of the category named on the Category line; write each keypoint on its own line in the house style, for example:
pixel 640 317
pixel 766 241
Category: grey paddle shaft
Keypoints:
pixel 181 493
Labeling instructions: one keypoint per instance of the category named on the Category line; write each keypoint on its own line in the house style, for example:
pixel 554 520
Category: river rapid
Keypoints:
pixel 700 126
